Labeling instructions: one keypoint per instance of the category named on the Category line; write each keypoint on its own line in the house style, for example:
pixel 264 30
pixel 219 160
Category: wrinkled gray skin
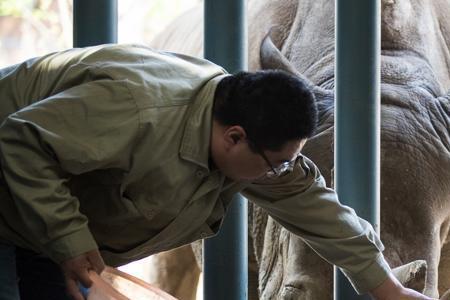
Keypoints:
pixel 415 142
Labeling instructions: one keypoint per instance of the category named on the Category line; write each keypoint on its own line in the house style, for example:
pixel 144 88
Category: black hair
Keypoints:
pixel 272 106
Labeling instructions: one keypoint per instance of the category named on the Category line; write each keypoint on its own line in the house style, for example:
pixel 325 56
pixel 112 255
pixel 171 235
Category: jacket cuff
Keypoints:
pixel 371 277
pixel 70 245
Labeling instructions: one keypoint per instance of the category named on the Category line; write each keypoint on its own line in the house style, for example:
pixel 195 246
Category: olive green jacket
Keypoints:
pixel 108 147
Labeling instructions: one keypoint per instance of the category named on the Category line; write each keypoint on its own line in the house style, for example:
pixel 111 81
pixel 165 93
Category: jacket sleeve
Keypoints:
pixel 301 202
pixel 87 127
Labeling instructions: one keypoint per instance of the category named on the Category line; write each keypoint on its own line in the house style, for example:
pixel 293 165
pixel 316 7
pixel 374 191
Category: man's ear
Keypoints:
pixel 234 134
pixel 235 138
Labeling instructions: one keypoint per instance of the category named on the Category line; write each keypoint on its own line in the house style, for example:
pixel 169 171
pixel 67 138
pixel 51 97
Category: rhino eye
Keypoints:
pixel 291 292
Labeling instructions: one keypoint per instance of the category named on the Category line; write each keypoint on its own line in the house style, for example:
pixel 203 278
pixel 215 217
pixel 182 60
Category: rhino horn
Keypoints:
pixel 412 275
pixel 272 58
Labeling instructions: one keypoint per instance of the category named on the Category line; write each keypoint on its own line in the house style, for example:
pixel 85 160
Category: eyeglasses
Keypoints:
pixel 275 171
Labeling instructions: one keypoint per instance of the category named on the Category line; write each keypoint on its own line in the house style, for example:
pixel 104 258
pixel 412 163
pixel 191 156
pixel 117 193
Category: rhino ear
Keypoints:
pixel 412 275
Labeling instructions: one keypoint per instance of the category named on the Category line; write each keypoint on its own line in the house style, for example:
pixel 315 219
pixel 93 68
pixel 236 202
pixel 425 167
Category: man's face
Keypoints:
pixel 240 163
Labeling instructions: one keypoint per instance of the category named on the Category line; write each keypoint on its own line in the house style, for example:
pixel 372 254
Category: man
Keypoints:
pixel 118 152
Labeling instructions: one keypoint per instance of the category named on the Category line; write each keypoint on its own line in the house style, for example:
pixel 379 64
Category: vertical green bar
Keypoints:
pixel 94 22
pixel 357 115
pixel 225 256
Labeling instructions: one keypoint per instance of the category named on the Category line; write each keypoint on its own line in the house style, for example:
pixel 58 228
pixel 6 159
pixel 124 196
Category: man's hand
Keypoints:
pixel 77 270
pixel 392 289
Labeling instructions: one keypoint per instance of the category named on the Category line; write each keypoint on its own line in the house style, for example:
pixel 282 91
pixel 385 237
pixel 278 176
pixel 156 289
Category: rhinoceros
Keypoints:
pixel 298 36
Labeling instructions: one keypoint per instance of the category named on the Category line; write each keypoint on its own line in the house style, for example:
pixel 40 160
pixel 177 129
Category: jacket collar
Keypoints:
pixel 195 143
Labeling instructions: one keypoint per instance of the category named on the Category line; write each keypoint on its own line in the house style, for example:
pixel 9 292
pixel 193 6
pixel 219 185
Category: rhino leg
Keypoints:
pixel 176 272
pixel 432 256
pixel 252 272
pixel 444 268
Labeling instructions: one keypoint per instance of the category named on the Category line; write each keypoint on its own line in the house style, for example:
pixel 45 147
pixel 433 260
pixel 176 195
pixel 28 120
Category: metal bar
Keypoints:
pixel 225 269
pixel 225 256
pixel 94 22
pixel 357 115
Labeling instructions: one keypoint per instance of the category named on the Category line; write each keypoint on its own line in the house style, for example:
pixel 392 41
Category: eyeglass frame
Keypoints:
pixel 274 171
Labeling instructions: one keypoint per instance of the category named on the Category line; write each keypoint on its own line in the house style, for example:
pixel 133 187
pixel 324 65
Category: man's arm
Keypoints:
pixel 302 203
pixel 77 270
